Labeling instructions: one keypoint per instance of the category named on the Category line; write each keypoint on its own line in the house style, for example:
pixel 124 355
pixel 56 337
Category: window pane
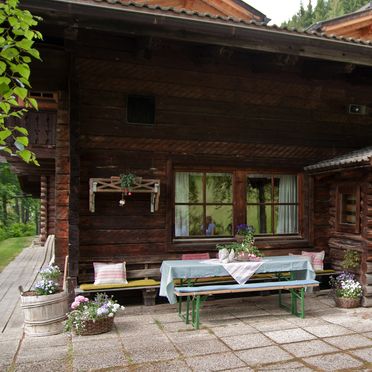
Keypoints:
pixel 348 208
pixel 286 219
pixel 189 187
pixel 259 189
pixel 259 216
pixel 285 189
pixel 219 187
pixel 219 219
pixel 188 220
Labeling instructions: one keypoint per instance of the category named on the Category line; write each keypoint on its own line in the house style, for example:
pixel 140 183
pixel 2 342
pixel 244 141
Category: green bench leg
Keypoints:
pixel 295 296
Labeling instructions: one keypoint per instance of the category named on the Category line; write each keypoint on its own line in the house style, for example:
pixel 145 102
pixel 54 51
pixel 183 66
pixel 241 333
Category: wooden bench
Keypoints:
pixel 195 296
pixel 142 274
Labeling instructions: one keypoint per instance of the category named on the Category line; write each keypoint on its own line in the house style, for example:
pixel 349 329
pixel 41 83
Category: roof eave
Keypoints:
pixel 211 31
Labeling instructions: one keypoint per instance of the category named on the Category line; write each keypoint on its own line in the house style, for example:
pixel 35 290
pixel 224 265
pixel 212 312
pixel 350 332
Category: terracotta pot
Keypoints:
pixel 347 303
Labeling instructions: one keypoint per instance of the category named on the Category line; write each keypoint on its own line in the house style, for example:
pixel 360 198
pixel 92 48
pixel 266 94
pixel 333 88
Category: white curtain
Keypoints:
pixel 182 211
pixel 288 214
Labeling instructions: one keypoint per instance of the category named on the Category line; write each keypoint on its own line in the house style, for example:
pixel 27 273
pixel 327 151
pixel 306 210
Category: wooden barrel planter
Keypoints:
pixel 44 315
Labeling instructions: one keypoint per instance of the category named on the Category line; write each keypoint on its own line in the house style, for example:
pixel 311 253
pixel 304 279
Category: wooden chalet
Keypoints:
pixel 217 115
pixel 357 25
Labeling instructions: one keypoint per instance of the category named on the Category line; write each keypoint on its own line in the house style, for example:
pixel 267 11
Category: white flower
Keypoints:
pixel 111 315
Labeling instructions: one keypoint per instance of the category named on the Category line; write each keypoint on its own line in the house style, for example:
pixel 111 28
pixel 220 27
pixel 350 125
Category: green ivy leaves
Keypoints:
pixel 17 38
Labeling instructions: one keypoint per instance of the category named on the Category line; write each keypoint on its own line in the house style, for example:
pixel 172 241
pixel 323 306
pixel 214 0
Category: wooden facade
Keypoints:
pixel 357 25
pixel 221 104
pixel 354 176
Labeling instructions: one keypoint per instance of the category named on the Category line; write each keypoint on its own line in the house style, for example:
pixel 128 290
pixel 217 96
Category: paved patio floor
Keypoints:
pixel 247 334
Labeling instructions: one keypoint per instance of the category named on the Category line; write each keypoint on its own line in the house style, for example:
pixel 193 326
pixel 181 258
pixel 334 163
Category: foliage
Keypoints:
pixel 10 248
pixel 51 272
pixel 345 285
pixel 46 287
pixel 17 38
pixel 18 212
pixel 83 310
pixel 127 180
pixel 244 229
pixel 49 281
pixel 351 260
pixel 324 9
pixel 246 246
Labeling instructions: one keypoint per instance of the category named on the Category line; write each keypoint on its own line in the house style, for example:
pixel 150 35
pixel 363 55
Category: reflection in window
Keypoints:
pixel 203 204
pixel 272 204
pixel 348 208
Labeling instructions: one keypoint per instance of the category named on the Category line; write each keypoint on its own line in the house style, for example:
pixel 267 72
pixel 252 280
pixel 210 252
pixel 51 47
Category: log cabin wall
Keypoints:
pixel 51 205
pixel 367 234
pixel 340 242
pixel 215 108
pixel 320 219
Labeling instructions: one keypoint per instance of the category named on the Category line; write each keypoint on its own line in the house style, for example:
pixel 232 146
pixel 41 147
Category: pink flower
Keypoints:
pixel 75 305
pixel 79 299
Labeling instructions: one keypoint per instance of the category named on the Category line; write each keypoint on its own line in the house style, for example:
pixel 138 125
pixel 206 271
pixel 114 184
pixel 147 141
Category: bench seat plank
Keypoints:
pixel 230 288
pixel 131 284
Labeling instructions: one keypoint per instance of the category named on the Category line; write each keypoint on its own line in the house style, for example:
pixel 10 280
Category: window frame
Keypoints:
pixel 272 203
pixel 204 204
pixel 239 202
pixel 347 188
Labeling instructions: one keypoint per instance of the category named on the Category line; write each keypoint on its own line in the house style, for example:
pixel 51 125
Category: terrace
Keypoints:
pixel 239 334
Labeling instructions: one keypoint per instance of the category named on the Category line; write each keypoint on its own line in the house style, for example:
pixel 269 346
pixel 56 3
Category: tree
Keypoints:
pixel 17 38
pixel 324 9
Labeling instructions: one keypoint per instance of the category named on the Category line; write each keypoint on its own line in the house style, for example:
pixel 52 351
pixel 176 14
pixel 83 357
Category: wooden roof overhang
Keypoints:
pixel 188 26
pixel 357 24
pixel 357 159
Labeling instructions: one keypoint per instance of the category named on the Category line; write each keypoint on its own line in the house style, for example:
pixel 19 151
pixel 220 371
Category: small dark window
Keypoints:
pixel 141 110
pixel 348 208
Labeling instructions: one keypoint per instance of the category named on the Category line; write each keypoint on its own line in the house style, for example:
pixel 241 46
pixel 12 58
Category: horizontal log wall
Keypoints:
pixel 212 110
pixel 340 242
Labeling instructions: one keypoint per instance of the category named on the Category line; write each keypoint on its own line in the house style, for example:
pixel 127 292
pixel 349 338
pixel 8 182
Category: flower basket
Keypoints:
pixel 96 327
pixel 347 303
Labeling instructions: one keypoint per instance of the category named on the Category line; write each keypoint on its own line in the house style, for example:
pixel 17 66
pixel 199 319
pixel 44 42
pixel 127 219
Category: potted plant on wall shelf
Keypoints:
pixel 346 289
pixel 45 306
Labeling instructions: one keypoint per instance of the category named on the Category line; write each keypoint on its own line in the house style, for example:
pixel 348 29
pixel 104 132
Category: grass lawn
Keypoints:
pixel 10 248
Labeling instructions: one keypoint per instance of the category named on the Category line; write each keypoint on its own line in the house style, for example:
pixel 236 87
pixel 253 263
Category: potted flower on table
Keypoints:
pixel 92 317
pixel 242 250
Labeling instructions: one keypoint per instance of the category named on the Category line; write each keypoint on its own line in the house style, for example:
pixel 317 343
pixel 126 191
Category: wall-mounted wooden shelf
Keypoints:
pixel 105 185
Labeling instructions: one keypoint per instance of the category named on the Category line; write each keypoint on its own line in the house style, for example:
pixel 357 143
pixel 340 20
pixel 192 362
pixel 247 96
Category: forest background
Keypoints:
pixel 307 15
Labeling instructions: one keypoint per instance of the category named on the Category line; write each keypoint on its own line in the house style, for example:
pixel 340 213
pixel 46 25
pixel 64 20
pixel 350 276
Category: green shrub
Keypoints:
pixel 17 230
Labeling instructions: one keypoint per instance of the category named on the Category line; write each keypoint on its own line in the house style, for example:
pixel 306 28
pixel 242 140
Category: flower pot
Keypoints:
pixel 91 327
pixel 44 315
pixel 245 256
pixel 347 303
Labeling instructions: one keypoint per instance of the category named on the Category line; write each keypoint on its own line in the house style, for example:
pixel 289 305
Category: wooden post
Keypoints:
pixel 62 180
pixel 43 209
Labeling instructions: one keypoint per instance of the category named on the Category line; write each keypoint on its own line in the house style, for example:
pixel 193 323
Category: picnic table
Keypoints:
pixel 299 267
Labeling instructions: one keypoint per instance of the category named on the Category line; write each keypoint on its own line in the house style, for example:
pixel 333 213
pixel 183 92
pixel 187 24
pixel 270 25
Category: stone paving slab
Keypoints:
pixel 309 348
pixel 215 362
pixel 334 362
pixel 264 355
